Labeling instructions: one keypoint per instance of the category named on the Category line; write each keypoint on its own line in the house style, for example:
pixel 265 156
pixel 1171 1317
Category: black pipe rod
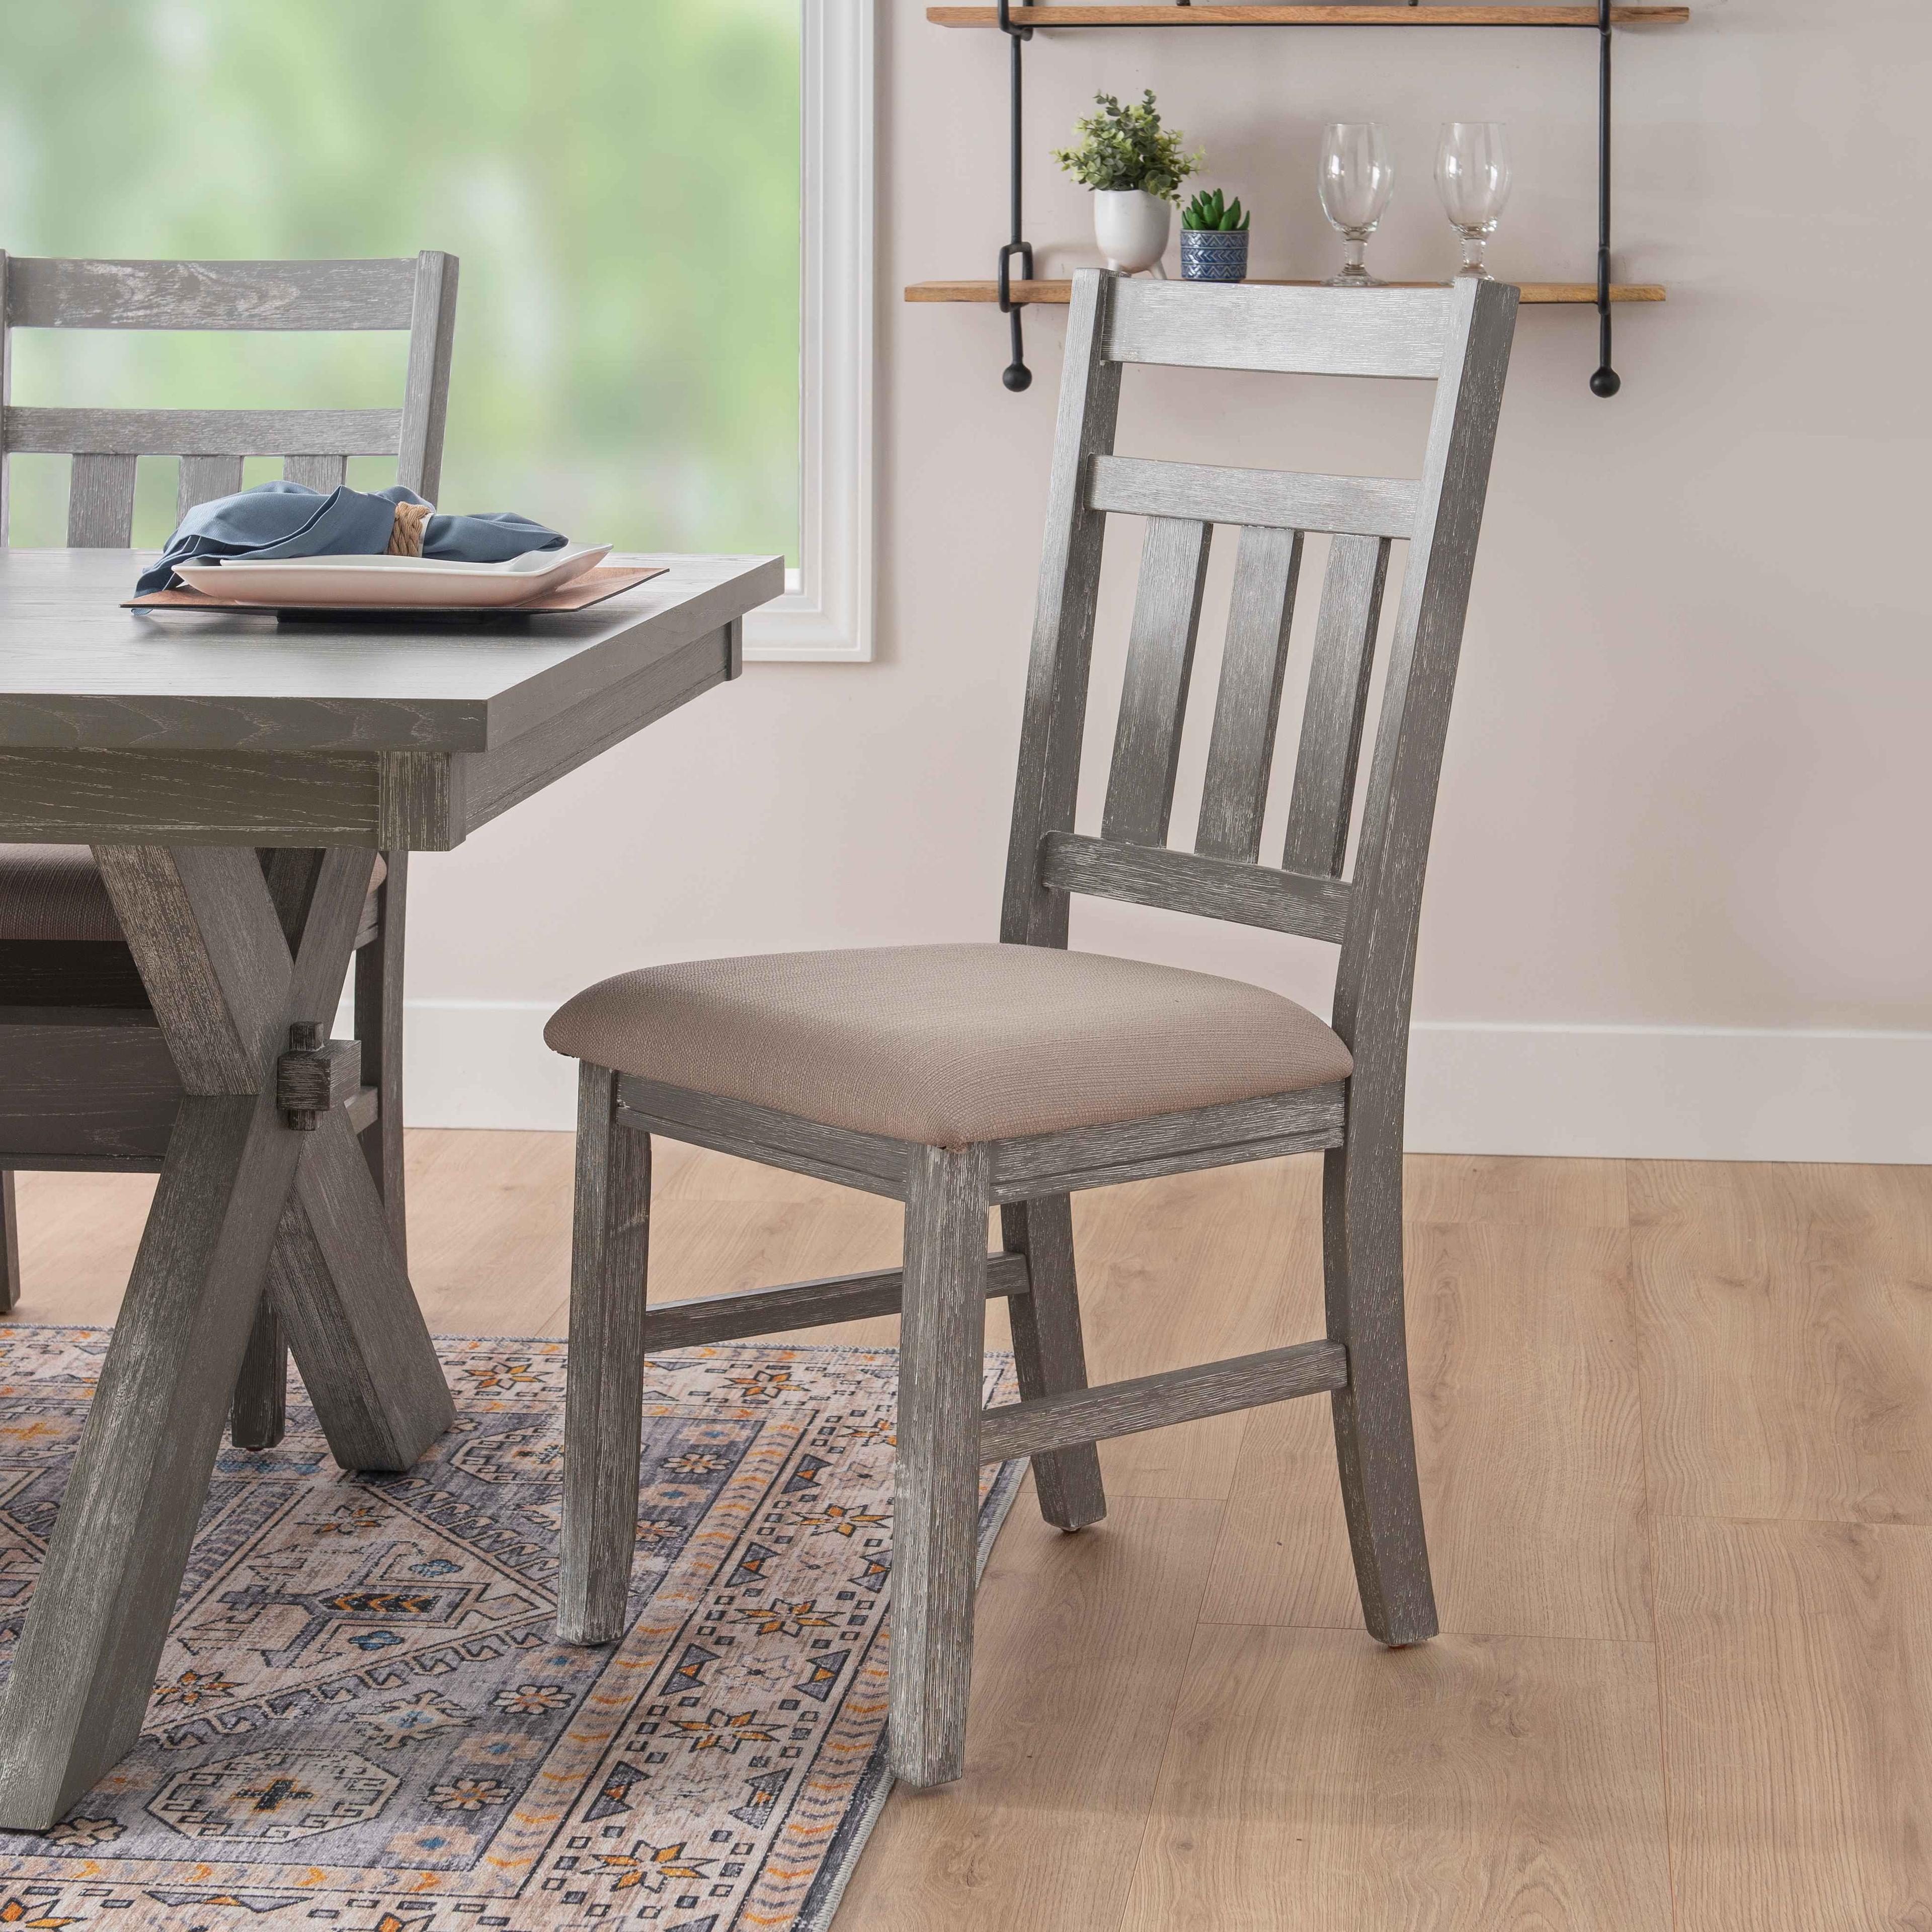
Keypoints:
pixel 1606 382
pixel 1016 375
pixel 1015 218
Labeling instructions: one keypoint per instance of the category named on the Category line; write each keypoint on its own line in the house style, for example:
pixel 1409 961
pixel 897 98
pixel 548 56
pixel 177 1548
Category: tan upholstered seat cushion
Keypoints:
pixel 55 891
pixel 948 1045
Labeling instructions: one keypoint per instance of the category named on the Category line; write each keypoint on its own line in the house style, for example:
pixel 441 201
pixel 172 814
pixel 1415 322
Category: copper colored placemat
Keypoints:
pixel 579 594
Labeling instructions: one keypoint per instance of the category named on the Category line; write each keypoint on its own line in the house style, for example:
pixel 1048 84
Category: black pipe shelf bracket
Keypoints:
pixel 1017 376
pixel 1605 382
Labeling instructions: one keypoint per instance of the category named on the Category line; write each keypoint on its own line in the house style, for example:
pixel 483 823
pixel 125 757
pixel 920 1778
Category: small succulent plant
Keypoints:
pixel 1211 210
pixel 1128 148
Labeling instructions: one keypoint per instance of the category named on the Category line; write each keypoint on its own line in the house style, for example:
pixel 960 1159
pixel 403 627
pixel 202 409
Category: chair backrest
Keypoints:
pixel 1458 336
pixel 418 294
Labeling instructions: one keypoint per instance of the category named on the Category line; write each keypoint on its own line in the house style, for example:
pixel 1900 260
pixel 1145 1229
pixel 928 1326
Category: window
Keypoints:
pixel 628 187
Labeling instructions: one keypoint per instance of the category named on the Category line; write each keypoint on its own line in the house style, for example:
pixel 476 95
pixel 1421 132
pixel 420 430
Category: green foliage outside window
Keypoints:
pixel 621 180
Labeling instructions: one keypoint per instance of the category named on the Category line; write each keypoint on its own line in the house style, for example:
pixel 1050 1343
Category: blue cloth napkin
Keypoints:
pixel 292 520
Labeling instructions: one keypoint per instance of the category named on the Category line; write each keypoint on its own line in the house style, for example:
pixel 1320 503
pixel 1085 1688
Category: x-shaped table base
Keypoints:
pixel 245 1201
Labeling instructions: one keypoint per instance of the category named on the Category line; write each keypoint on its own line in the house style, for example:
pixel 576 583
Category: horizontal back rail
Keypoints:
pixel 1401 332
pixel 1376 506
pixel 47 293
pixel 63 432
pixel 1155 875
pixel 416 295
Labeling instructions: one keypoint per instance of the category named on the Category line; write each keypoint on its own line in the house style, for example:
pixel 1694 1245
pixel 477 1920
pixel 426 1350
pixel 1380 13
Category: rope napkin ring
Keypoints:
pixel 406 534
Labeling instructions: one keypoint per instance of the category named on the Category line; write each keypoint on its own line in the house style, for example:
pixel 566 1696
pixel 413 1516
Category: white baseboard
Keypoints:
pixel 1670 1093
pixel 1659 1093
pixel 483 1063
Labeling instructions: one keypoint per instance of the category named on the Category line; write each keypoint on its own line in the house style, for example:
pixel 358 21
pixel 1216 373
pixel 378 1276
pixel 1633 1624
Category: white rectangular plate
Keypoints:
pixel 389 583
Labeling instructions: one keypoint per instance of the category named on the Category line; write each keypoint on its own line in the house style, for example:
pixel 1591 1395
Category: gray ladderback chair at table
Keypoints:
pixel 957 1078
pixel 105 1103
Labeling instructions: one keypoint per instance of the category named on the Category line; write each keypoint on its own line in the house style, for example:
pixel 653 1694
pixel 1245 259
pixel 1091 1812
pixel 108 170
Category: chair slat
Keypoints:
pixel 1153 698
pixel 1241 751
pixel 204 478
pixel 48 432
pixel 1308 332
pixel 1228 888
pixel 101 502
pixel 319 472
pixel 1283 500
pixel 1338 699
pixel 47 292
pixel 1461 334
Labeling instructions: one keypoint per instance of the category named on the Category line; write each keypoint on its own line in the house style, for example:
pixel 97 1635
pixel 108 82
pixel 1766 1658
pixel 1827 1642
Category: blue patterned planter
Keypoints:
pixel 1214 254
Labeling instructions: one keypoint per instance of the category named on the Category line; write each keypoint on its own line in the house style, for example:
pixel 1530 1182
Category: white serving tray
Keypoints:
pixel 388 583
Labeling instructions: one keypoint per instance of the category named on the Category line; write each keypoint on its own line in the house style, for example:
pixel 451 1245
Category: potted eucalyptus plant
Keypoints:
pixel 1213 239
pixel 1134 166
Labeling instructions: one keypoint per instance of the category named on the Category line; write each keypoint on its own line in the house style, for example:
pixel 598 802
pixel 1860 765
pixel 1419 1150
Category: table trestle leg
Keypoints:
pixel 203 930
pixel 358 1337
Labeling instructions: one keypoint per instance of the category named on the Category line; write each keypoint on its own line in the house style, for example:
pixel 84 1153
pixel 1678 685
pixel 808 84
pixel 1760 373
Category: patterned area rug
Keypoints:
pixel 364 1721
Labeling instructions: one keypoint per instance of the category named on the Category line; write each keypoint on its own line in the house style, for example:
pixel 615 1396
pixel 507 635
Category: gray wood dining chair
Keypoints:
pixel 85 1080
pixel 959 1078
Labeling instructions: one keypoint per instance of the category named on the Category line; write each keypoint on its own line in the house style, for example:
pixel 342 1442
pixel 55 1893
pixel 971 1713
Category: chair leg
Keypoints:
pixel 604 1404
pixel 258 1410
pixel 1049 1353
pixel 379 1026
pixel 942 1349
pixel 1374 1434
pixel 10 1245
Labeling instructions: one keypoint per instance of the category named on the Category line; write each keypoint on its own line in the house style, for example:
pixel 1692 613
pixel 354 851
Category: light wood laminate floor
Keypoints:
pixel 1676 1426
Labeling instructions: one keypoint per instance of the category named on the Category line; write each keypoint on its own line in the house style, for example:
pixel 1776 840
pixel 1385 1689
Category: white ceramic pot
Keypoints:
pixel 1130 227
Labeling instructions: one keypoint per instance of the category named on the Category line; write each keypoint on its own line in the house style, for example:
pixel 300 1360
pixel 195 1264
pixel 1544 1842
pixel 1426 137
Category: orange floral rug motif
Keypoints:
pixel 364 1721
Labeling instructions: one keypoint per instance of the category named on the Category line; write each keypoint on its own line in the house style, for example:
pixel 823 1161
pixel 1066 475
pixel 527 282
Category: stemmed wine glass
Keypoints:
pixel 1473 177
pixel 1358 178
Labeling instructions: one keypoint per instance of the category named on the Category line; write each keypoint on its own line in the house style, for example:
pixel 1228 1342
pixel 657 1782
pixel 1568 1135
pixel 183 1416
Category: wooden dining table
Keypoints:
pixel 178 746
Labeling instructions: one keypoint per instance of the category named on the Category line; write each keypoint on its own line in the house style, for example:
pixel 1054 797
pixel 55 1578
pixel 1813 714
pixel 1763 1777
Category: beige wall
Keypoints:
pixel 1676 903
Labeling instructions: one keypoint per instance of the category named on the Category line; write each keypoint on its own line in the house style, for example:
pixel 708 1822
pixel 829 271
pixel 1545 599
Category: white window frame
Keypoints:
pixel 826 614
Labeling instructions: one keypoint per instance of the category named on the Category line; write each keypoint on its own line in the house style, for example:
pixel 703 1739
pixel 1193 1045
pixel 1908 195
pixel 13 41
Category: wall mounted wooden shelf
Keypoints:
pixel 1019 21
pixel 1330 15
pixel 1583 294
